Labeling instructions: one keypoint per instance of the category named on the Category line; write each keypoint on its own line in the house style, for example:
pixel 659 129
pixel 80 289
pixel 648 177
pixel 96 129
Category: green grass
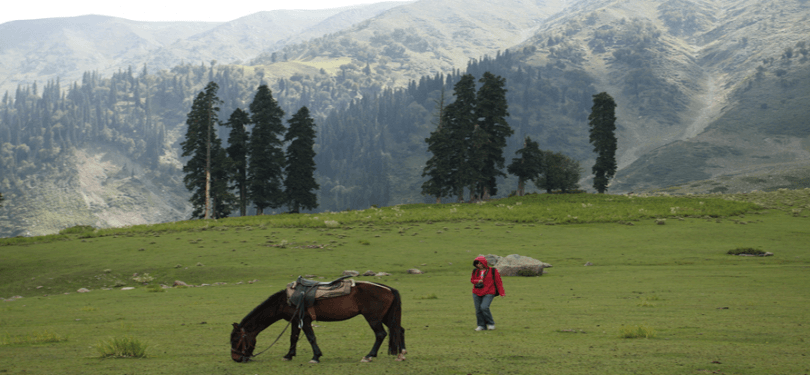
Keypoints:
pixel 33 338
pixel 747 313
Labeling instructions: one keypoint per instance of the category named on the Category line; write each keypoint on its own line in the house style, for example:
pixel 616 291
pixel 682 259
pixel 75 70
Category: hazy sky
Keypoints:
pixel 160 10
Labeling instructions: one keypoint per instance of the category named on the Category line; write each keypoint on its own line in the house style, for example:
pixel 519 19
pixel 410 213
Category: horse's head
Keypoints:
pixel 242 343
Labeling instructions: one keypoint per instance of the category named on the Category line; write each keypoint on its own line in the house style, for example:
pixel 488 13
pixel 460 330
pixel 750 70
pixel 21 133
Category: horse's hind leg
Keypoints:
pixel 379 337
pixel 316 351
pixel 401 355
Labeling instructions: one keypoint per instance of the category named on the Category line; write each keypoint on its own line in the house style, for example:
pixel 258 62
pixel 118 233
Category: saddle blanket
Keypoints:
pixel 321 292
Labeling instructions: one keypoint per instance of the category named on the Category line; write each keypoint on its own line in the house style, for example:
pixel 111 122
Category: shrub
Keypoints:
pixel 636 332
pixel 155 288
pixel 122 347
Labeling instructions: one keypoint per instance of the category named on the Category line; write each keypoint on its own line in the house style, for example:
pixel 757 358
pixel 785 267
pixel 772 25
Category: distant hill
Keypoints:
pixel 65 48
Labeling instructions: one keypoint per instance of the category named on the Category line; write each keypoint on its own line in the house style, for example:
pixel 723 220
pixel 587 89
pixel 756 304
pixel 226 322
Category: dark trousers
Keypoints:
pixel 482 313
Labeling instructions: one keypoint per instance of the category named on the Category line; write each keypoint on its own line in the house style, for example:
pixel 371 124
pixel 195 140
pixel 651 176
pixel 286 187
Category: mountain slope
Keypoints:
pixel 423 37
pixel 65 48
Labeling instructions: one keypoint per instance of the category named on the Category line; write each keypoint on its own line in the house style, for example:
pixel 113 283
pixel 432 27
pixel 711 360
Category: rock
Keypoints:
pixel 382 274
pixel 128 288
pixel 369 273
pixel 179 283
pixel 768 254
pixel 83 290
pixel 512 265
pixel 588 264
pixel 350 273
pixel 414 271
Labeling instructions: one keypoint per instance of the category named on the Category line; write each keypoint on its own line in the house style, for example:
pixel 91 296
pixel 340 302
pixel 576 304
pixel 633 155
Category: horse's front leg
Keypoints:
pixel 316 351
pixel 293 340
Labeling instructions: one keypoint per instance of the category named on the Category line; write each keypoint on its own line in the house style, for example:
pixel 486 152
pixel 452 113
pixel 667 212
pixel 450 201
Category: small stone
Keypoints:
pixel 83 290
pixel 350 273
pixel 414 271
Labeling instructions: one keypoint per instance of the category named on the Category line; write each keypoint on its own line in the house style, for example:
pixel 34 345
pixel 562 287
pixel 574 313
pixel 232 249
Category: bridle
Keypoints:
pixel 243 342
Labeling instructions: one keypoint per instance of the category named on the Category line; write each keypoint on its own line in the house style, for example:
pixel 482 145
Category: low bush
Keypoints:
pixel 637 332
pixel 121 347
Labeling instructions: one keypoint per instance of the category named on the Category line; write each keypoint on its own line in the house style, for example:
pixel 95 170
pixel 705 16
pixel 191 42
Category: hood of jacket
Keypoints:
pixel 482 259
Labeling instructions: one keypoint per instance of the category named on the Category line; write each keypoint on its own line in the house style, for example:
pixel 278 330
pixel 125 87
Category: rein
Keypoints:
pixel 244 334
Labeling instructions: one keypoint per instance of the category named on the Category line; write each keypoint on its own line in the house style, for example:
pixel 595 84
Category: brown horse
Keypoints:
pixel 378 303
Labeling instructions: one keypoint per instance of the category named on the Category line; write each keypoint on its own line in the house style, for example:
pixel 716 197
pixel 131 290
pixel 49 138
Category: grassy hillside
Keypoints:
pixel 673 280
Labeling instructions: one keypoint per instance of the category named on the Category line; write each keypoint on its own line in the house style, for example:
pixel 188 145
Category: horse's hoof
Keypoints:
pixel 285 359
pixel 404 352
pixel 314 362
pixel 365 360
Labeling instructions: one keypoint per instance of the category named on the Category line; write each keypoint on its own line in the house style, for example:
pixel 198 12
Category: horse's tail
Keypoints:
pixel 393 319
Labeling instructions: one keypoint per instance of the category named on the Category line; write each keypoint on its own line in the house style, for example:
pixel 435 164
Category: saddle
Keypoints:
pixel 303 293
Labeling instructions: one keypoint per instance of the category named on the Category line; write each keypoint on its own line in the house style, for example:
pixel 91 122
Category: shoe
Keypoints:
pixel 491 327
pixel 479 328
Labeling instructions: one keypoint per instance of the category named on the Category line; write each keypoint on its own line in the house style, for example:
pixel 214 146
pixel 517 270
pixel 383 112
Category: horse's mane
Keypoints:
pixel 271 302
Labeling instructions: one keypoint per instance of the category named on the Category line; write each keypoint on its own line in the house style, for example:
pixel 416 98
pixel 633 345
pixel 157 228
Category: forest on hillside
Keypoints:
pixel 370 142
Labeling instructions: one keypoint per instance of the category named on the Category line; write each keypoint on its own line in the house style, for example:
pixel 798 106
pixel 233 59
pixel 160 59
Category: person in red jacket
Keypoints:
pixel 487 284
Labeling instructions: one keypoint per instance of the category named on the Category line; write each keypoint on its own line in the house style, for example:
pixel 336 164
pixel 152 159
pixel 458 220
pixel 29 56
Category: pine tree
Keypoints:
pixel 300 168
pixel 602 122
pixel 437 168
pixel 265 149
pixel 206 169
pixel 238 153
pixel 459 118
pixel 491 111
pixel 222 199
pixel 528 166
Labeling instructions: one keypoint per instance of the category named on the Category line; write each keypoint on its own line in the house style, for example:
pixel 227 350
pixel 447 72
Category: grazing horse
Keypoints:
pixel 378 303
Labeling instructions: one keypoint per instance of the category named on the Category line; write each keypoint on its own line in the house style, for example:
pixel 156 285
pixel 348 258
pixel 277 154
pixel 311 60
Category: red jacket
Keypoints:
pixel 491 278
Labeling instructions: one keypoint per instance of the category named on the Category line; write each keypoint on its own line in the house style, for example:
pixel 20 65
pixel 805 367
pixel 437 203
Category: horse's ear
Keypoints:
pixel 236 326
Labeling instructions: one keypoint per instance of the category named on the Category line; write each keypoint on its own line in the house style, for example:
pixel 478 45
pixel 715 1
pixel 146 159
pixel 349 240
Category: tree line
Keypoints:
pixel 467 146
pixel 254 168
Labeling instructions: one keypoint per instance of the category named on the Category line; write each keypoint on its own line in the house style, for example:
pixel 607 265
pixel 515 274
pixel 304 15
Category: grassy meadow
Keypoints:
pixel 662 295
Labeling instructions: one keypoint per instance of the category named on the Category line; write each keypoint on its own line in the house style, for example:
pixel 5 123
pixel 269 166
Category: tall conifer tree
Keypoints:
pixel 206 170
pixel 437 168
pixel 238 153
pixel 460 122
pixel 602 122
pixel 491 111
pixel 300 169
pixel 266 154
